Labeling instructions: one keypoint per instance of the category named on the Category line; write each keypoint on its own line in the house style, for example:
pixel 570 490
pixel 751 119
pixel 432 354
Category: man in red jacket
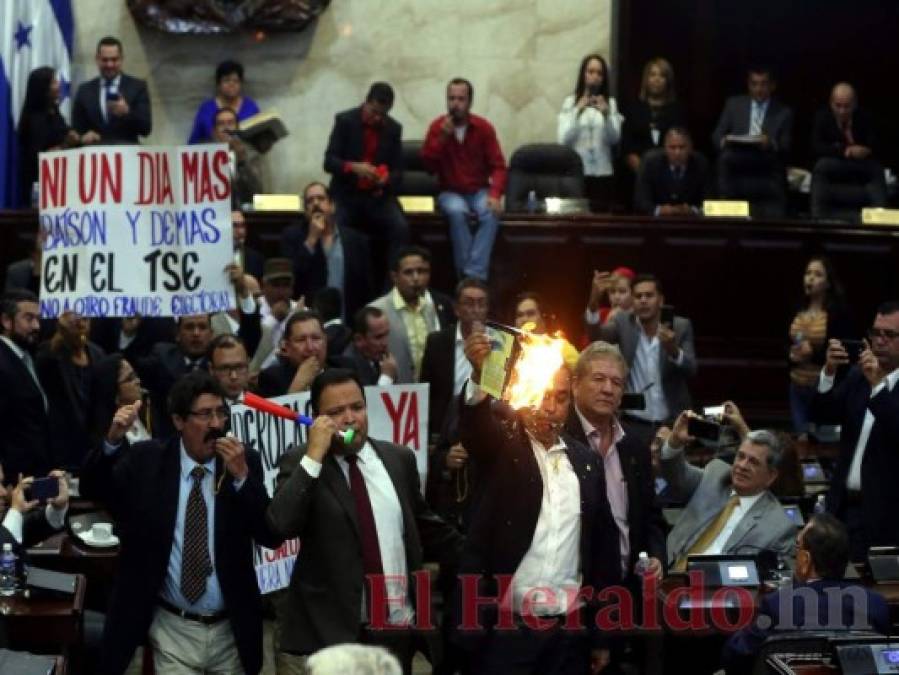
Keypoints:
pixel 462 150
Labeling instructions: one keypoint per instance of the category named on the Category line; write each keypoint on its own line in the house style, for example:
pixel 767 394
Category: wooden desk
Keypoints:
pixel 44 624
pixel 63 553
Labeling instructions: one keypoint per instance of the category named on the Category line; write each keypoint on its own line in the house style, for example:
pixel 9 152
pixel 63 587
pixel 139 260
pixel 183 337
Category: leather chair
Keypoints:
pixel 755 176
pixel 549 169
pixel 416 180
pixel 841 188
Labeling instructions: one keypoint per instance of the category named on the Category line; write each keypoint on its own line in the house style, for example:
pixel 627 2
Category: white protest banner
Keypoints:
pixel 132 230
pixel 398 413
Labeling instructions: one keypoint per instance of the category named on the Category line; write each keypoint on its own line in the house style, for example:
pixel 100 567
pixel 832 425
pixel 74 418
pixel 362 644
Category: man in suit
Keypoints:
pixel 358 509
pixel 673 182
pixel 369 351
pixel 248 258
pixel 757 114
pixel 730 509
pixel 822 552
pixel 229 364
pixel 26 446
pixel 842 130
pixel 112 108
pixel 187 513
pixel 326 254
pixel 660 357
pixel 543 523
pixel 365 159
pixel 168 361
pixel 304 350
pixel 865 402
pixel 413 310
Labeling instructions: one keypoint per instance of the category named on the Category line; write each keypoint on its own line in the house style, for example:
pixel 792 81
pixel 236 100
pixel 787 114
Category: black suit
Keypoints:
pixel 253 262
pixel 87 116
pixel 275 380
pixel 640 119
pixel 646 525
pixel 105 333
pixel 828 139
pixel 140 485
pixel 658 184
pixel 310 270
pixel 873 523
pixel 438 369
pixel 325 597
pixel 25 446
pixel 368 371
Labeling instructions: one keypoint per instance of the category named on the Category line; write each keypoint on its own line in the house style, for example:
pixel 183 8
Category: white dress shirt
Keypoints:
pixel 549 574
pixel 385 504
pixel 854 478
pixel 591 134
pixel 645 371
pixel 14 521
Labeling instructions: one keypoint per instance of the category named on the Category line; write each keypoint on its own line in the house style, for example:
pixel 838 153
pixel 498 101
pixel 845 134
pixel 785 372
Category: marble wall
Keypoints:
pixel 521 55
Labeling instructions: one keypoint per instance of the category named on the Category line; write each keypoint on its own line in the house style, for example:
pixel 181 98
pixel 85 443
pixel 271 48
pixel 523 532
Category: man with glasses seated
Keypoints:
pixel 187 513
pixel 857 390
pixel 230 365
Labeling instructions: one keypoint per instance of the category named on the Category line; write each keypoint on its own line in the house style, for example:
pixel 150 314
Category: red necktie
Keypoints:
pixel 368 531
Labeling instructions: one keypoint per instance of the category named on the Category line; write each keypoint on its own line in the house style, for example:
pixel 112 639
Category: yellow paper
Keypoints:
pixel 725 208
pixel 277 203
pixel 417 204
pixel 878 216
pixel 498 363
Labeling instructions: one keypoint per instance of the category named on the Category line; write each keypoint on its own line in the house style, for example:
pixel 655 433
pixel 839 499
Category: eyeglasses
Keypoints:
pixel 207 414
pixel 883 333
pixel 231 369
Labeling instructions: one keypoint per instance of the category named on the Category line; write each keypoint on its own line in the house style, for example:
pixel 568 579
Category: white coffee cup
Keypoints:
pixel 101 531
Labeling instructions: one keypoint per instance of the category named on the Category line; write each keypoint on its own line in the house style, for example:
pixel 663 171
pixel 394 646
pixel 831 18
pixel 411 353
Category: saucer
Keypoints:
pixel 88 538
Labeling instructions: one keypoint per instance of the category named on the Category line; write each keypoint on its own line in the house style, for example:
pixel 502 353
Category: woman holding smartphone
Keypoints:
pixel 590 124
pixel 822 315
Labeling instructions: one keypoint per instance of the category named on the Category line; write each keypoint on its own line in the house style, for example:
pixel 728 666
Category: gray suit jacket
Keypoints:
pixel 624 331
pixel 735 119
pixel 398 342
pixel 324 601
pixel 706 491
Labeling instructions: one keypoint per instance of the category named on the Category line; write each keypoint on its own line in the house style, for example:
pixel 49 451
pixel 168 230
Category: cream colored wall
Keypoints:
pixel 521 55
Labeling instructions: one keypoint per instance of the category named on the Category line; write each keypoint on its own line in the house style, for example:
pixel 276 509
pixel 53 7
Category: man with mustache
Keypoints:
pixel 187 512
pixel 328 255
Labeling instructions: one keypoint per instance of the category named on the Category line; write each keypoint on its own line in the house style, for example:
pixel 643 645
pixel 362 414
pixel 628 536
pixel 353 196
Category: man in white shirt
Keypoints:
pixel 541 533
pixel 865 402
pixel 730 508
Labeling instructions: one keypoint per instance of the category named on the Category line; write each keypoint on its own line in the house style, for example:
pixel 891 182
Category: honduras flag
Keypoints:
pixel 33 33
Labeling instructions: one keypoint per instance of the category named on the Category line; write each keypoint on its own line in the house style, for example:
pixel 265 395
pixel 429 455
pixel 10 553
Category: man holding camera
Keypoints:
pixel 24 524
pixel 865 402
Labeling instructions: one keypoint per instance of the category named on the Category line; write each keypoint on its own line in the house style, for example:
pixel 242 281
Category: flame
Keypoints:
pixel 540 359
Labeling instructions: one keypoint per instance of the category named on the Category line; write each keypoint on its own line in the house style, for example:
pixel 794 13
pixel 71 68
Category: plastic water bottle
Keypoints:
pixel 532 202
pixel 820 505
pixel 642 567
pixel 8 561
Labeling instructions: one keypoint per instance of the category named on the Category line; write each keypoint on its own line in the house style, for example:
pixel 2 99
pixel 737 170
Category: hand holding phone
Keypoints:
pixel 704 429
pixel 666 317
pixel 42 489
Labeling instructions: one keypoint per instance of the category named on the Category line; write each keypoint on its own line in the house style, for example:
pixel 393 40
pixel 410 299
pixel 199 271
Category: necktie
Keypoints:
pixel 107 92
pixel 710 534
pixel 29 364
pixel 195 562
pixel 368 531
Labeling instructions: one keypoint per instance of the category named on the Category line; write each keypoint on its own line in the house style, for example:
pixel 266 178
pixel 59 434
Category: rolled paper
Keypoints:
pixel 251 400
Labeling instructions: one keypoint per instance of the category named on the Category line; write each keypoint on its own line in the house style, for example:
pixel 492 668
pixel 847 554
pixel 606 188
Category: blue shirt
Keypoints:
pixel 758 110
pixel 336 263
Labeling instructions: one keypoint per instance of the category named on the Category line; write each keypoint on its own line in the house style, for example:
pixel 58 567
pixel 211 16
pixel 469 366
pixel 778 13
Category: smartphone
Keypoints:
pixel 667 317
pixel 700 428
pixel 43 489
pixel 853 349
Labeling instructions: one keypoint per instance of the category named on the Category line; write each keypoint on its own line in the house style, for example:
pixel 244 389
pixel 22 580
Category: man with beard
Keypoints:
pixel 328 255
pixel 24 411
pixel 358 509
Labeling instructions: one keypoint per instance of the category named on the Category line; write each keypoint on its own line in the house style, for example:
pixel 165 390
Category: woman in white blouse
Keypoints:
pixel 590 124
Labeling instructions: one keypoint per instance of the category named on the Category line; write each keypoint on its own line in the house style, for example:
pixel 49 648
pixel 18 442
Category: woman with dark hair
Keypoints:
pixel 114 384
pixel 590 124
pixel 41 126
pixel 228 94
pixel 655 111
pixel 822 315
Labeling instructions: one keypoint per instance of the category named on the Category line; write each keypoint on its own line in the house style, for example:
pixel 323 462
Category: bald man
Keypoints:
pixel 841 129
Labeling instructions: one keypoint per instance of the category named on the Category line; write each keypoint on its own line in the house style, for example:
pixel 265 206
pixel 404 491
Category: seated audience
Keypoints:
pixel 24 523
pixel 248 258
pixel 413 310
pixel 275 306
pixel 674 182
pixel 822 553
pixel 230 365
pixel 756 113
pixel 590 124
pixel 822 315
pixel 245 318
pixel 114 383
pixel 41 127
pixel 530 314
pixel 461 148
pixel 64 368
pixel 369 351
pixel 610 293
pixel 843 130
pixel 114 107
pixel 365 159
pixel 865 403
pixel 228 94
pixel 730 508
pixel 245 172
pixel 26 446
pixel 652 114
pixel 328 255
